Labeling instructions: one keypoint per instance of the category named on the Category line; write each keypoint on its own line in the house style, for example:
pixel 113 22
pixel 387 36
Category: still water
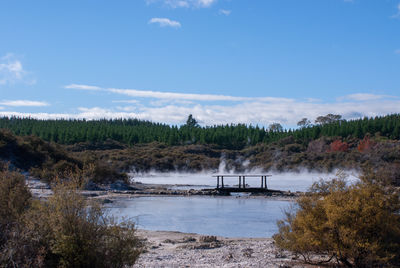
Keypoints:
pixel 222 216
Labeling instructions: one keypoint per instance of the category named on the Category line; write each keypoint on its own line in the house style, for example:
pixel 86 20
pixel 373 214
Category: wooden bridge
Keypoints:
pixel 242 187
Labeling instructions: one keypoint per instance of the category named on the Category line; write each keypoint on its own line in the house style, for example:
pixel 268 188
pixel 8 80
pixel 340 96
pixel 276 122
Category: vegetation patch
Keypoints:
pixel 356 225
pixel 65 231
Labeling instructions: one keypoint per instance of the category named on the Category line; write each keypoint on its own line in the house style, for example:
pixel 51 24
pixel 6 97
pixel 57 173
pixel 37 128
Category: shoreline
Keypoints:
pixel 111 197
pixel 107 194
pixel 176 249
pixel 142 189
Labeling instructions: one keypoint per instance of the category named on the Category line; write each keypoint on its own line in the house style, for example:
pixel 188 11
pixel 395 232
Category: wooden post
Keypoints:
pixel 265 182
pixel 262 181
pixel 244 182
pixel 222 180
pixel 240 181
pixel 217 182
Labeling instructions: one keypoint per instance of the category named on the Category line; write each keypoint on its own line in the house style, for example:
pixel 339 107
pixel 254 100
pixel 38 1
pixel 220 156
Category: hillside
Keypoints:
pixel 369 143
pixel 48 160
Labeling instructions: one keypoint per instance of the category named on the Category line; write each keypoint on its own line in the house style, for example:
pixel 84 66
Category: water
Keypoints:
pixel 221 216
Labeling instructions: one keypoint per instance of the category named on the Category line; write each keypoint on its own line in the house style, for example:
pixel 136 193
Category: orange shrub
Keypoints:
pixel 365 144
pixel 338 146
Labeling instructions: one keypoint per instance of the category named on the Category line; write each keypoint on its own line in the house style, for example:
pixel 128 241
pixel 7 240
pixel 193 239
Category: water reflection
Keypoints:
pixel 222 216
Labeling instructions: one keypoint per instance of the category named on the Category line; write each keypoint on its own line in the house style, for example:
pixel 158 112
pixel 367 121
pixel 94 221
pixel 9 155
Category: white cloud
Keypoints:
pixel 24 103
pixel 82 87
pixel 127 108
pixel 39 115
pixel 11 71
pixel 313 100
pixel 176 3
pixel 164 22
pixel 210 109
pixel 250 112
pixel 205 3
pixel 363 97
pixel 225 12
pixel 184 3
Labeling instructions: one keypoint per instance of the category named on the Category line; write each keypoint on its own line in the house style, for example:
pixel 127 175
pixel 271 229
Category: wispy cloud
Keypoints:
pixel 184 3
pixel 126 101
pixel 24 103
pixel 82 87
pixel 174 96
pixel 11 70
pixel 397 15
pixel 205 3
pixel 164 22
pixel 178 96
pixel 225 12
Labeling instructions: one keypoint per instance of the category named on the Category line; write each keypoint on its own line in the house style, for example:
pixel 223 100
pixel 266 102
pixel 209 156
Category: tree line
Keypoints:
pixel 233 136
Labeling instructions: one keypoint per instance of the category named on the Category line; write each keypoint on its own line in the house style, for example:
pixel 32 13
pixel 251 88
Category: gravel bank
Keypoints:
pixel 175 249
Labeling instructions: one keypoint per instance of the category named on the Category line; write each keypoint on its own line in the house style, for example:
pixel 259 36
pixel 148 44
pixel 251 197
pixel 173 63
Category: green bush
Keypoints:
pixel 356 225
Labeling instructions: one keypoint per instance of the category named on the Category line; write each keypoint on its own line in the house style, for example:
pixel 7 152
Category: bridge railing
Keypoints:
pixel 242 179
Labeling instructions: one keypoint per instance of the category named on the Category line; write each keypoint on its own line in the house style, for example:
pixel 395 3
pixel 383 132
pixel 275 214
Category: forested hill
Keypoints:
pixel 134 131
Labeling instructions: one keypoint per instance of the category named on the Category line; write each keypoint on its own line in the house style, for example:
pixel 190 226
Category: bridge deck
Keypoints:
pixel 242 187
pixel 246 190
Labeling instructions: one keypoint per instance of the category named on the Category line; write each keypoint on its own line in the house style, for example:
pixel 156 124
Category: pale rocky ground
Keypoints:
pixel 175 249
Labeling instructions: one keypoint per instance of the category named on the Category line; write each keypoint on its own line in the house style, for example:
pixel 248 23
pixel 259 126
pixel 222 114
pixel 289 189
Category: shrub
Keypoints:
pixel 69 231
pixel 338 146
pixel 356 225
pixel 366 144
pixel 14 200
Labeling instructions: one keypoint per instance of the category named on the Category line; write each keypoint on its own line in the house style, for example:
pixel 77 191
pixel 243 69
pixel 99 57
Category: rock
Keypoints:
pixel 121 186
pixel 247 252
pixel 208 238
pixel 188 239
pixel 228 256
pixel 89 194
pixel 280 254
pixel 91 186
pixel 107 201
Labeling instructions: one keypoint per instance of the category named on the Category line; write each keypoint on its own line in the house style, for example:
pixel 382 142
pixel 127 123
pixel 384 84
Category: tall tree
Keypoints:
pixel 191 122
pixel 275 127
pixel 328 119
pixel 304 123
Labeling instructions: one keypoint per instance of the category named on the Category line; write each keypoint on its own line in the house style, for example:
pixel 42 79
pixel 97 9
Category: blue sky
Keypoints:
pixel 224 61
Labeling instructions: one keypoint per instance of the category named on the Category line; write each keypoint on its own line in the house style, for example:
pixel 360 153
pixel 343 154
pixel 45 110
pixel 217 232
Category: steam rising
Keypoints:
pixel 286 181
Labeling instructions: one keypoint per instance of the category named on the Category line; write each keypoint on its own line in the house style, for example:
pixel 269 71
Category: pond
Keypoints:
pixel 221 216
